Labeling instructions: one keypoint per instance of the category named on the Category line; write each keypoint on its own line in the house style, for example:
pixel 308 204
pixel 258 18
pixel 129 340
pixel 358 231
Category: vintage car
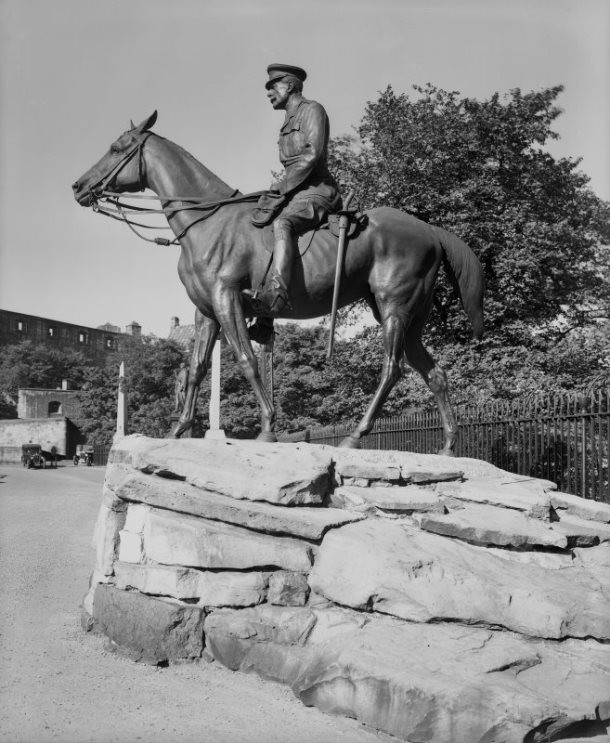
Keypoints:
pixel 84 455
pixel 32 456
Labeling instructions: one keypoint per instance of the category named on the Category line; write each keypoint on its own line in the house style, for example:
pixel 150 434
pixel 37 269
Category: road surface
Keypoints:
pixel 59 684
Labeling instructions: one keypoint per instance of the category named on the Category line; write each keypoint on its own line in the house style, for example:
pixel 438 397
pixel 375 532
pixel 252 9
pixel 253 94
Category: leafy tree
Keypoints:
pixel 479 169
pixel 151 366
pixel 31 365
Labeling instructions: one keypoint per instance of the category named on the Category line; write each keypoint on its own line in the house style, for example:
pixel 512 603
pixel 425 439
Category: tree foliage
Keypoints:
pixel 151 366
pixel 479 169
pixel 29 365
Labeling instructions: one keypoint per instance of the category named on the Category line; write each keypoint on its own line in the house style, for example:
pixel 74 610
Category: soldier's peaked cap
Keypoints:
pixel 277 71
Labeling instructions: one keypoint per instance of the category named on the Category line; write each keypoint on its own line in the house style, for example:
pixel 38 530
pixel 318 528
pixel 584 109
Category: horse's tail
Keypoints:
pixel 465 270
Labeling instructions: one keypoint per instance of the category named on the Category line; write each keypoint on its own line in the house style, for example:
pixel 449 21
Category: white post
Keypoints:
pixel 215 431
pixel 121 417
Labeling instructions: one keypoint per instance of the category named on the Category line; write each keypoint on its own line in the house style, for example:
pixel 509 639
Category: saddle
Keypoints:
pixel 357 223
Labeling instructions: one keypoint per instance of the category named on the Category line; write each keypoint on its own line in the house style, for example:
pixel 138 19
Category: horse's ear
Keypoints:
pixel 147 123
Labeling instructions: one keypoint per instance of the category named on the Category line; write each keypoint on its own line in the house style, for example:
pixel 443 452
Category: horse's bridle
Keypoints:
pixel 103 185
pixel 102 189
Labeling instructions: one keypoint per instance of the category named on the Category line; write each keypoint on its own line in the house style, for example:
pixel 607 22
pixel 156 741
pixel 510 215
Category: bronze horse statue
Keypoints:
pixel 393 264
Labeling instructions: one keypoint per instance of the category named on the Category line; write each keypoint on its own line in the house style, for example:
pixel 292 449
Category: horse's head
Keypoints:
pixel 121 169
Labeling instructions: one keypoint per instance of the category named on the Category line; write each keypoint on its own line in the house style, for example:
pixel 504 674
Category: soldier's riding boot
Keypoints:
pixel 262 331
pixel 272 301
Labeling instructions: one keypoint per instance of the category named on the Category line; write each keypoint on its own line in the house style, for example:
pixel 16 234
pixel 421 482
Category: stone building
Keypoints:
pixel 52 418
pixel 40 403
pixel 95 343
pixel 182 335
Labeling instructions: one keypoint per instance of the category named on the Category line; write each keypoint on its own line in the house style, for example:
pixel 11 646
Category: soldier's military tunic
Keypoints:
pixel 311 189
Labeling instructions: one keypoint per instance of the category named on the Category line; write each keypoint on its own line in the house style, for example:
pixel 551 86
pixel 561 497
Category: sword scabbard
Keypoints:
pixel 343 225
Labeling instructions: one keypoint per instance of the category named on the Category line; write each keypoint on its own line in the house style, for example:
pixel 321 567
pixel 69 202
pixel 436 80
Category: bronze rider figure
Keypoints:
pixel 306 193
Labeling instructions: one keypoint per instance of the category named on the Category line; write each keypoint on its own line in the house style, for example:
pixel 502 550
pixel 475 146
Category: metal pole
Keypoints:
pixel 215 431
pixel 121 416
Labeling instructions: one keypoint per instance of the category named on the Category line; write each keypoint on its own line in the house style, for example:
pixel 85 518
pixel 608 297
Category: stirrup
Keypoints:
pixel 268 303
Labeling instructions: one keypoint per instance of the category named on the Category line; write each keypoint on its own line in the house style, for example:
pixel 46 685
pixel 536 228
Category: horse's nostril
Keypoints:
pixel 75 186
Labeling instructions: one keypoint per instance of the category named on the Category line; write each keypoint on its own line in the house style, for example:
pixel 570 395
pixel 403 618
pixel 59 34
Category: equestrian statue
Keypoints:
pixel 275 254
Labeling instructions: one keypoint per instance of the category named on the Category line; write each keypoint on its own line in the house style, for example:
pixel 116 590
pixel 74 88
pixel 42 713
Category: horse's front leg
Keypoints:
pixel 207 330
pixel 230 314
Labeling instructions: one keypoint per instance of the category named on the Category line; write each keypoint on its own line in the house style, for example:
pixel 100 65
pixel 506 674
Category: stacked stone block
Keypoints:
pixel 432 598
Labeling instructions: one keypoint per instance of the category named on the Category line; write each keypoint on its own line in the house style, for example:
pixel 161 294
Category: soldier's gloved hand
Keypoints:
pixel 275 188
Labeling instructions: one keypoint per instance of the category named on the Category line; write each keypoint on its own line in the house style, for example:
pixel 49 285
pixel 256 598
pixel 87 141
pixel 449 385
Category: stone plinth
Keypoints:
pixel 434 599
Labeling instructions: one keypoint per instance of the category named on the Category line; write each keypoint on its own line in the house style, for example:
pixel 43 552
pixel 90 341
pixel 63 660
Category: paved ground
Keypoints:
pixel 59 684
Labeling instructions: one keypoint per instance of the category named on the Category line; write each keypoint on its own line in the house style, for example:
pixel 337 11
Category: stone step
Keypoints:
pixel 393 568
pixel 406 499
pixel 514 496
pixel 217 588
pixel 487 525
pixel 419 682
pixel 287 474
pixel 299 521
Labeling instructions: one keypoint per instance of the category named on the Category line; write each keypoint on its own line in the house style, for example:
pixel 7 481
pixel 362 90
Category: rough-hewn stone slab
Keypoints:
pixel 422 477
pixel 174 495
pixel 595 560
pixel 393 568
pixel 287 474
pixel 582 532
pixel 368 470
pixel 288 589
pixel 230 635
pixel 150 629
pixel 471 468
pixel 583 508
pixel 176 539
pixel 487 525
pixel 405 499
pixel 429 683
pixel 221 588
pixel 550 560
pixel 131 547
pixel 452 684
pixel 533 502
pixel 109 523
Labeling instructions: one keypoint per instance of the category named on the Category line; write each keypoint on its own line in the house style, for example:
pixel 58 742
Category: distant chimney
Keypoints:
pixel 173 323
pixel 65 384
pixel 134 329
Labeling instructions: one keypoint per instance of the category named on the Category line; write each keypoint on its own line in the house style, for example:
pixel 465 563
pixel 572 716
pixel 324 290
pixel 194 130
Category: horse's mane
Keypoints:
pixel 200 169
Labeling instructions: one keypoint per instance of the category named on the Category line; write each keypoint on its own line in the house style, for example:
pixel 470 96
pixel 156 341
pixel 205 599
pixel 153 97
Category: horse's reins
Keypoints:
pixel 113 206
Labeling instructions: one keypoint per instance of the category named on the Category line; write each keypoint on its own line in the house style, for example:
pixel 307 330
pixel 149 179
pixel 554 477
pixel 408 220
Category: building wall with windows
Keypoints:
pixel 95 343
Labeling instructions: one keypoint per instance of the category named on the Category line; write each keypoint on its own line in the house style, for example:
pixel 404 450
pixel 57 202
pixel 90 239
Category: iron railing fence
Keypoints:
pixel 564 438
pixel 101 453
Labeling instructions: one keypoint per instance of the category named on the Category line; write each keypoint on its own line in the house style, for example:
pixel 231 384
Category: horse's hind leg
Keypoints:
pixel 436 379
pixel 394 325
pixel 206 335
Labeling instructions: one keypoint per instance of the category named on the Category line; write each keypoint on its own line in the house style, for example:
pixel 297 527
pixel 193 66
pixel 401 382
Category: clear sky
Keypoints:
pixel 73 73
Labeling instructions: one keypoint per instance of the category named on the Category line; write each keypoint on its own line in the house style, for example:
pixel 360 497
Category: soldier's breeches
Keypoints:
pixel 299 216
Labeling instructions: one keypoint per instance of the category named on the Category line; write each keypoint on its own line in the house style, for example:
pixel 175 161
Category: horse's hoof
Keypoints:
pixel 267 436
pixel 350 442
pixel 446 453
pixel 178 429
